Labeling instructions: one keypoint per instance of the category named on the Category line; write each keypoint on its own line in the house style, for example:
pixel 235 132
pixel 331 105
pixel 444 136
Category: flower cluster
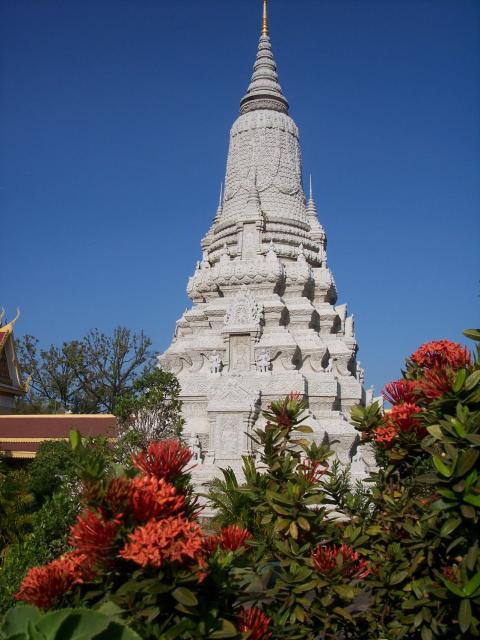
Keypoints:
pixel 152 498
pixel 94 534
pixel 401 391
pixel 439 353
pixel 233 538
pixel 328 558
pixel 172 539
pixel 165 460
pixel 403 418
pixel 431 374
pixel 99 534
pixel 436 382
pixel 43 585
pixel 142 520
pixel 256 623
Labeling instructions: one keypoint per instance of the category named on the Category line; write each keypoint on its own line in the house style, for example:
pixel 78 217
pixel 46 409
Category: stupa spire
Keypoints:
pixel 264 91
pixel 311 208
pixel 220 204
pixel 265 19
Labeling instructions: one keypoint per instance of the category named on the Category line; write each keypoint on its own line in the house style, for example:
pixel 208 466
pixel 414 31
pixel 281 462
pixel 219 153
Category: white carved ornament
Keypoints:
pixel 243 310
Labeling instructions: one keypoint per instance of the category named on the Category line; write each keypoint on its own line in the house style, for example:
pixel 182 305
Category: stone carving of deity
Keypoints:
pixel 369 396
pixel 194 446
pixel 242 357
pixel 263 361
pixel 229 436
pixel 215 362
pixel 360 373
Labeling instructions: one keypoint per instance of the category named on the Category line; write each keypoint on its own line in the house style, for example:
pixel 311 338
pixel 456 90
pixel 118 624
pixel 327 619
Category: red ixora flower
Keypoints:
pixel 117 494
pixel 313 470
pixel 165 460
pixel 232 538
pixel 327 558
pixel 436 382
pixel 441 352
pixel 43 585
pixel 385 435
pixel 173 539
pixel 256 622
pixel 151 497
pixel 93 533
pixel 404 417
pixel 400 391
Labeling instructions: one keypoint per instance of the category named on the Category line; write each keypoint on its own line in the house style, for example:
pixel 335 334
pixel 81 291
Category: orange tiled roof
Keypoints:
pixel 21 435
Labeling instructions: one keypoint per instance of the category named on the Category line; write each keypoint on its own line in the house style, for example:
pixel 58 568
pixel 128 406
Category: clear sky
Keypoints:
pixel 114 121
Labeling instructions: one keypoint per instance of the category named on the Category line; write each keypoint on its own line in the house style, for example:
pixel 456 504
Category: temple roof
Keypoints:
pixel 11 383
pixel 22 435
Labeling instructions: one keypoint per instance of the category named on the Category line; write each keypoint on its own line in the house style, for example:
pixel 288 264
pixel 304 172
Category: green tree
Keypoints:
pixel 15 502
pixel 149 411
pixel 83 376
pixel 47 539
pixel 51 470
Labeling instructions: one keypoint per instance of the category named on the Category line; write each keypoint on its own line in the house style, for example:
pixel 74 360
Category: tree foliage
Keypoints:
pixel 149 411
pixel 82 376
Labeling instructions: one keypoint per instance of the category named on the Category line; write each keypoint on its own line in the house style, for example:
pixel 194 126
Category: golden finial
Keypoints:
pixel 265 19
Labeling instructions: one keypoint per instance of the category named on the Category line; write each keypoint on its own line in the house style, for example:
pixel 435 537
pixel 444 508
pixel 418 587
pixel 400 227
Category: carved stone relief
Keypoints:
pixel 240 353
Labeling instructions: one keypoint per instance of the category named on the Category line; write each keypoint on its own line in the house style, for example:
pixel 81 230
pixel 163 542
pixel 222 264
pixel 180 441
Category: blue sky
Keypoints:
pixel 114 121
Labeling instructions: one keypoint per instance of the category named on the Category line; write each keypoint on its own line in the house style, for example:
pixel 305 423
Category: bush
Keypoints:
pixel 299 552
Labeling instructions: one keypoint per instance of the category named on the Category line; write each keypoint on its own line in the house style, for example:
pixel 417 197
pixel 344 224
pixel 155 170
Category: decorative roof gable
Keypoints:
pixel 11 383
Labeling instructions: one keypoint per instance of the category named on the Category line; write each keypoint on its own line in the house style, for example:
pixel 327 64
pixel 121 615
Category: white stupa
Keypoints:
pixel 264 319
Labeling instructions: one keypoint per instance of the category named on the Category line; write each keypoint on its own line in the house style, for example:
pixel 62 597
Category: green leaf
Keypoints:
pixel 473 334
pixel 344 591
pixel 304 429
pixel 451 586
pixel 398 577
pixel 110 609
pixel 185 596
pixel 442 467
pixel 465 615
pixel 467 511
pixel 278 497
pixel 472 381
pixel 472 499
pixel 466 461
pixel 449 527
pixel 472 585
pixel 303 523
pixel 459 380
pixel 228 630
pixel 17 619
pixel 428 478
pixel 75 439
pixel 435 430
pixel 426 633
pixel 74 624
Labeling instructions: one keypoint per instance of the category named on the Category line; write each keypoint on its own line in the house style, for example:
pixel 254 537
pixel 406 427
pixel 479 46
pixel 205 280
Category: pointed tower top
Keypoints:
pixel 264 91
pixel 220 205
pixel 265 19
pixel 311 208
